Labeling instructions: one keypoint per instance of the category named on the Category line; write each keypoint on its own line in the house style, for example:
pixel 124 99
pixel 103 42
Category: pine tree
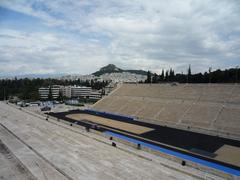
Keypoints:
pixel 167 76
pixel 149 77
pixel 60 97
pixel 189 73
pixel 189 70
pixel 155 78
pixel 162 76
pixel 171 75
pixel 210 74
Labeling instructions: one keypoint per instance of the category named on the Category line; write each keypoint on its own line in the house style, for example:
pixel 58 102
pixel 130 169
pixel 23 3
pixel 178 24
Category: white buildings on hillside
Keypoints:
pixel 79 77
pixel 123 77
pixel 113 77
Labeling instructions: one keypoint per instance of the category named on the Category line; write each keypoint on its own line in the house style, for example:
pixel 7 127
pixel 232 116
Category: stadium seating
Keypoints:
pixel 213 107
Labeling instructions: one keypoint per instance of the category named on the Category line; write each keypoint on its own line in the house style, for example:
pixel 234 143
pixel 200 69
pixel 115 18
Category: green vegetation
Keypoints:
pixel 226 76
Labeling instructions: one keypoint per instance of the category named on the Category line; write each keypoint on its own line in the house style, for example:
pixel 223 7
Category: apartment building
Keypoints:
pixel 44 92
pixel 95 95
pixel 76 91
pixel 69 92
pixel 80 91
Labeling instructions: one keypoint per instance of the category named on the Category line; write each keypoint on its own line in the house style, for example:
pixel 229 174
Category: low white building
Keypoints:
pixel 80 91
pixel 44 92
pixel 55 91
pixel 95 95
pixel 69 92
pixel 76 91
pixel 66 91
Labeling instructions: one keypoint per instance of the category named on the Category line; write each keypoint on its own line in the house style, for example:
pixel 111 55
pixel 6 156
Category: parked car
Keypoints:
pixel 46 108
pixel 24 104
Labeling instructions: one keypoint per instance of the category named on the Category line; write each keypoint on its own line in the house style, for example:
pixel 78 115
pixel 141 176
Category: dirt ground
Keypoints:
pixel 230 154
pixel 111 123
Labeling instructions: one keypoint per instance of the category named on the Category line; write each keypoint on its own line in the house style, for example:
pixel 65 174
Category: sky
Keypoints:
pixel 81 36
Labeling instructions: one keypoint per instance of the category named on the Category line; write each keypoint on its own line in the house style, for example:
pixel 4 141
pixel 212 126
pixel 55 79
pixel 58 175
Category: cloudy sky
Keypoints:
pixel 80 36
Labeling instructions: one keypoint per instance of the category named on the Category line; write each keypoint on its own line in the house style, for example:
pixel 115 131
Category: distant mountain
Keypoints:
pixel 33 76
pixel 111 68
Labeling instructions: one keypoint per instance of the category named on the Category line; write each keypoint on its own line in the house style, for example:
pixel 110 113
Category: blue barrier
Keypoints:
pixel 177 154
pixel 109 115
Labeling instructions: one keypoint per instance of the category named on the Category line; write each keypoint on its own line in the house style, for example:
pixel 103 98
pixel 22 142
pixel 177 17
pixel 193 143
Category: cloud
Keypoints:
pixel 131 34
pixel 46 53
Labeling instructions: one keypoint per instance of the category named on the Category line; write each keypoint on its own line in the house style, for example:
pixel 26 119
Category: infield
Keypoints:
pixel 136 129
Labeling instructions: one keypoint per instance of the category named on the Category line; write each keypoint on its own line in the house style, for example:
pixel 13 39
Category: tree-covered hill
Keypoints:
pixel 111 68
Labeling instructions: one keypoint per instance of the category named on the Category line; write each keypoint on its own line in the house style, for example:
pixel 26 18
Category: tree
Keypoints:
pixel 33 95
pixel 210 75
pixel 167 76
pixel 189 73
pixel 171 75
pixel 189 70
pixel 237 74
pixel 92 83
pixel 149 77
pixel 155 78
pixel 60 97
pixel 50 97
pixel 162 75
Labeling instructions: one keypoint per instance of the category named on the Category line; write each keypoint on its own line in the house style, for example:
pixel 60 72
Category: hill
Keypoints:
pixel 111 68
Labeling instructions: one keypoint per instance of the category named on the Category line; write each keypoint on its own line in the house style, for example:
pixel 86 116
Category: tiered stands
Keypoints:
pixel 212 107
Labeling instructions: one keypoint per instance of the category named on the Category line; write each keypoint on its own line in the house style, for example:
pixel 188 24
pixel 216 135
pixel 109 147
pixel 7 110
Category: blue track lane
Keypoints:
pixel 177 154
